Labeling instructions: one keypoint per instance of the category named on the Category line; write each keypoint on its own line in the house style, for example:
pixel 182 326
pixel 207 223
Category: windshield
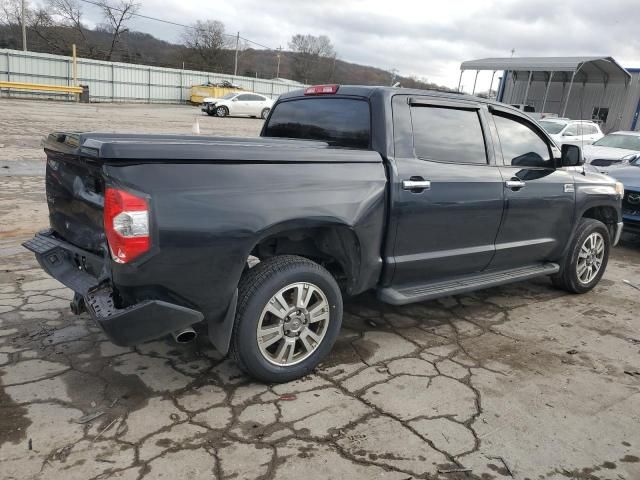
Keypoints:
pixel 628 142
pixel 552 127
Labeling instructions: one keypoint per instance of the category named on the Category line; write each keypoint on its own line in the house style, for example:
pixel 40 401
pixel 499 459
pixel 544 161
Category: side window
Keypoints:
pixel 521 145
pixel 571 130
pixel 448 135
pixel 243 98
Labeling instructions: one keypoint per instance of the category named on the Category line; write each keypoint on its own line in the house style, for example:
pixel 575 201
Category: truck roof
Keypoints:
pixel 369 91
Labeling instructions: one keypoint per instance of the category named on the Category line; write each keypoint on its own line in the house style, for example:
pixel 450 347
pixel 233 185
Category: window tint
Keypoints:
pixel 341 122
pixel 521 146
pixel 244 98
pixel 448 135
pixel 256 98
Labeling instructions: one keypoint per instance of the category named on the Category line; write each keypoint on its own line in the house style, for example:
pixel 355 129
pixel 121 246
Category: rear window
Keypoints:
pixel 342 122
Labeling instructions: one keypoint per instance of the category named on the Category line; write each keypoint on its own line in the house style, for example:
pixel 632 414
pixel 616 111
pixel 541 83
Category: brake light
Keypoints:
pixel 321 89
pixel 126 224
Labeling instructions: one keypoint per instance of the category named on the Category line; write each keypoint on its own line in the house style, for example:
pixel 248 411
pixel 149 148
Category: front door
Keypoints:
pixel 539 198
pixel 447 196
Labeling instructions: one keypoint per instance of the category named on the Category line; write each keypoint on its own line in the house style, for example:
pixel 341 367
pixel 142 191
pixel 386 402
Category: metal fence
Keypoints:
pixel 120 82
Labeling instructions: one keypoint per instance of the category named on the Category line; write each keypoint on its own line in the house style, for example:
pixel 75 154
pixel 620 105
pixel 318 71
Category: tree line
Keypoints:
pixel 55 25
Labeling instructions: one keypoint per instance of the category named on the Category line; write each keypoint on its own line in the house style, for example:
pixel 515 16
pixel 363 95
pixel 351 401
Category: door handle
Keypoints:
pixel 514 184
pixel 415 184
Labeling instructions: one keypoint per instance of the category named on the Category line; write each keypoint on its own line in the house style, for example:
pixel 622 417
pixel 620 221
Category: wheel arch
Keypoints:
pixel 335 246
pixel 606 214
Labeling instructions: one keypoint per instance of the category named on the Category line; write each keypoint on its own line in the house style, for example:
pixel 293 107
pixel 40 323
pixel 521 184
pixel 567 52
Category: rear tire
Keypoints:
pixel 587 258
pixel 299 337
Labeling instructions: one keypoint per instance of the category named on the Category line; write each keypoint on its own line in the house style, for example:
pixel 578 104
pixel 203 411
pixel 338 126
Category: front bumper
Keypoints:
pixel 631 224
pixel 617 233
pixel 84 272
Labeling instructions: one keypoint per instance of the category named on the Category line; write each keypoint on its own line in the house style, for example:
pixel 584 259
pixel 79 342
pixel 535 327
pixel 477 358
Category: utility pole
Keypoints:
pixel 278 68
pixel 235 68
pixel 24 28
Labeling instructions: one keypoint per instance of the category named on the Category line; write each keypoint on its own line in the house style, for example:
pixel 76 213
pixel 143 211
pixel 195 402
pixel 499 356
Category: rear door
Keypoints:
pixel 243 104
pixel 447 191
pixel 540 198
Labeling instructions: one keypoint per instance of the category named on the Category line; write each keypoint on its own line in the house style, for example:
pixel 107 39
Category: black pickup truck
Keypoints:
pixel 413 194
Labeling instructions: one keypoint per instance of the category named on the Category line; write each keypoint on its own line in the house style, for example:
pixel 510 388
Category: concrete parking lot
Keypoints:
pixel 522 381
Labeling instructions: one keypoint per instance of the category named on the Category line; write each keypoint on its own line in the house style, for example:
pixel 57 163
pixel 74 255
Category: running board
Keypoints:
pixel 429 291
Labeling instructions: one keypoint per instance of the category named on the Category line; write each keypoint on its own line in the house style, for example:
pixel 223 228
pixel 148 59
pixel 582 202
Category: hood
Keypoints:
pixel 629 176
pixel 592 152
pixel 210 100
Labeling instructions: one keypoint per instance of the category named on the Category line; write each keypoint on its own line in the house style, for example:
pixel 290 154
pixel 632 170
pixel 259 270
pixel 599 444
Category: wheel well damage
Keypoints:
pixel 334 247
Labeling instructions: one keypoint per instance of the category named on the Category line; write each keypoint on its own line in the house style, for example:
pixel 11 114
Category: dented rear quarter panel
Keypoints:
pixel 207 217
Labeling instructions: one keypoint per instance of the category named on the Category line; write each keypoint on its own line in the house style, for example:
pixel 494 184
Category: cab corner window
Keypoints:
pixel 521 145
pixel 448 135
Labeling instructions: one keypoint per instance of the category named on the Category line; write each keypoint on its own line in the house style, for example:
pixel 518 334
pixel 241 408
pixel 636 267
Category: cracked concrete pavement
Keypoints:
pixel 522 381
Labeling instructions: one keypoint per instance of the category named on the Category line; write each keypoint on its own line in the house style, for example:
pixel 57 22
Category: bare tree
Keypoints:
pixel 314 57
pixel 208 40
pixel 66 13
pixel 116 15
pixel 10 12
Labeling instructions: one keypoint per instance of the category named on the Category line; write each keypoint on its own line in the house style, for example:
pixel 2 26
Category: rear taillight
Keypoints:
pixel 321 90
pixel 126 224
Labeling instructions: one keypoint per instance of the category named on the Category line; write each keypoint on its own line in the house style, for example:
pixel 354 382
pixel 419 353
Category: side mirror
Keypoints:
pixel 571 156
pixel 235 99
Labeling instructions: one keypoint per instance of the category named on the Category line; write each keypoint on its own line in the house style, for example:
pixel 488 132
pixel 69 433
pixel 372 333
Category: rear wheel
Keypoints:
pixel 265 112
pixel 289 315
pixel 587 258
pixel 222 111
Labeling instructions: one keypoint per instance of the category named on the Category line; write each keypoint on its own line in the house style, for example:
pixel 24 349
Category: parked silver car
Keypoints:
pixel 574 132
pixel 614 149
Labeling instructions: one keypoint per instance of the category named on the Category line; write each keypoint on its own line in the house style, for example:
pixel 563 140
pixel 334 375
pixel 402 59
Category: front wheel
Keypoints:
pixel 585 262
pixel 288 318
pixel 222 111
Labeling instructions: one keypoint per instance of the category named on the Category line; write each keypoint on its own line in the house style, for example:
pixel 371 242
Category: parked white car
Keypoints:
pixel 574 132
pixel 613 150
pixel 234 104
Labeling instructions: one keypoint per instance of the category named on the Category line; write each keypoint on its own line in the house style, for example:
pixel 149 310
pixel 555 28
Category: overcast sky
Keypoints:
pixel 422 38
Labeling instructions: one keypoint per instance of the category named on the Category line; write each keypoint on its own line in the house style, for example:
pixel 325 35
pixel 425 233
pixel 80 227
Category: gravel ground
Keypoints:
pixel 522 381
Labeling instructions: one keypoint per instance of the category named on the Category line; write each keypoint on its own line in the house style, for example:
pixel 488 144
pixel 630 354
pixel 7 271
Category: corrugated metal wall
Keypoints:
pixel 620 100
pixel 119 82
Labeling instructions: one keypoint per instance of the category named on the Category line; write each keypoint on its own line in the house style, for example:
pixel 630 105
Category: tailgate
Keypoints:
pixel 75 193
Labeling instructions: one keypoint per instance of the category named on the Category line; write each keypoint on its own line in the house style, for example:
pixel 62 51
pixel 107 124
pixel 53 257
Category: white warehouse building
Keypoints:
pixel 580 88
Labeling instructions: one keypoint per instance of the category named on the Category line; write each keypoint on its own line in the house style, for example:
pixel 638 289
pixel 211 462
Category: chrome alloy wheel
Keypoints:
pixel 590 258
pixel 293 324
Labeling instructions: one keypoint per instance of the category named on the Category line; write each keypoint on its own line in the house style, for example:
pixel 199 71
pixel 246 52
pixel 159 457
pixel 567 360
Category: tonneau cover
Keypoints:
pixel 114 147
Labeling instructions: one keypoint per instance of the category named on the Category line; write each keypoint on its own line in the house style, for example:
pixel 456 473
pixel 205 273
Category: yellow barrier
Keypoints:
pixel 40 87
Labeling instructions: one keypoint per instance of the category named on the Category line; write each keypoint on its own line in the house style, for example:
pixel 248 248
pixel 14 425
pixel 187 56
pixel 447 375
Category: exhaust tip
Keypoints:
pixel 185 335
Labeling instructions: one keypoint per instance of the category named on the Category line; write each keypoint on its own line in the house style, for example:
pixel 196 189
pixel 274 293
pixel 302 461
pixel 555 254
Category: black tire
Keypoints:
pixel 257 286
pixel 567 279
pixel 221 111
pixel 264 113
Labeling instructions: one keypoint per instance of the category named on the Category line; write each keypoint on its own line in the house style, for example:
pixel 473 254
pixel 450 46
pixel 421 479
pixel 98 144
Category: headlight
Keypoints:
pixel 619 189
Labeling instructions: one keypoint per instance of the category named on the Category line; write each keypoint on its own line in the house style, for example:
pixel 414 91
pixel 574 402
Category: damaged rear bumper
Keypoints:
pixel 81 271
